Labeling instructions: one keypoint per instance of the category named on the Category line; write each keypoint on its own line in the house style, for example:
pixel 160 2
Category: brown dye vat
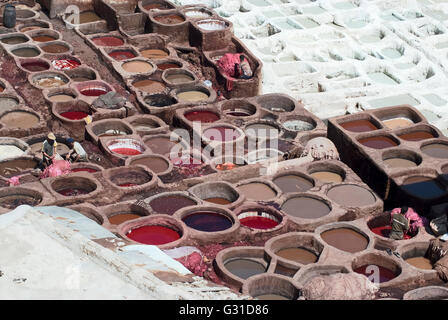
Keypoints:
pixel 35 66
pixel 26 52
pixel 31 28
pixel 43 38
pixel 327 176
pixel 61 98
pixel 351 195
pixel 55 48
pixel 14 40
pixel 345 239
pixel 359 126
pixel 160 145
pixel 13 201
pixel 293 183
pixel 305 208
pixel 244 268
pixel 166 66
pixel 420 263
pixel 192 96
pixel 154 53
pixel 397 123
pixel 117 219
pixel 257 191
pixel 156 165
pixel 88 16
pixel 436 150
pixel 13 167
pixel 80 79
pixel 179 78
pixel 50 82
pixel 416 136
pixel 170 204
pixel 399 163
pixel 19 119
pixel 217 200
pixel 160 6
pixel 149 86
pixel 298 255
pixel 380 142
pixel 137 67
pixel 170 19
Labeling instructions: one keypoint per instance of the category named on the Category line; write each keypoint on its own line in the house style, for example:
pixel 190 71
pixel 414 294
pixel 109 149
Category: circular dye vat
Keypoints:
pixel 305 208
pixel 160 145
pixel 43 38
pixel 170 204
pixel 170 19
pixel 90 170
pixel 35 66
pixel 244 268
pixel 25 29
pixel 126 148
pixel 221 134
pixel 359 126
pixel 26 52
pixel 153 235
pixel 197 14
pixel 262 130
pixel 117 219
pixel 121 55
pixel 137 67
pixel 345 239
pixel 351 195
pixel 74 115
pixel 65 64
pixel 218 200
pixel 14 40
pixel 166 66
pixel 154 53
pixel 211 25
pixel 424 187
pixel 50 82
pixel 155 164
pixel 436 150
pixel 55 48
pixel 399 163
pixel 108 41
pixel 13 201
pixel 384 231
pixel 61 98
pixel 420 263
pixel 179 78
pixel 72 192
pixel 208 221
pixel 14 167
pixel 192 96
pixel 159 100
pixel 259 220
pixel 257 191
pixel 160 6
pixel 127 185
pixel 385 274
pixel 151 86
pixel 88 16
pixel 202 116
pixel 397 123
pixel 327 176
pixel 299 255
pixel 298 125
pixel 380 142
pixel 6 102
pixel 19 119
pixel 93 91
pixel 293 183
pixel 416 136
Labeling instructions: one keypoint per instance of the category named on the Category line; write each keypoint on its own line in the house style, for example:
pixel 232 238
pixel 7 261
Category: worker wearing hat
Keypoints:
pixel 48 151
pixel 76 153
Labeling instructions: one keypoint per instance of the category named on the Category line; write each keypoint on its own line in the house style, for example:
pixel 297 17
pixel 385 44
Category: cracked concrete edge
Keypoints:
pixel 110 261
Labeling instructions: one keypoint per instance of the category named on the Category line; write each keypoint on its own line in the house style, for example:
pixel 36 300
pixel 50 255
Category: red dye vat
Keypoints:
pixel 65 64
pixel 385 274
pixel 74 115
pixel 71 192
pixel 84 170
pixel 153 235
pixel 93 92
pixel 202 116
pixel 35 66
pixel 122 55
pixel 384 231
pixel 126 185
pixel 108 41
pixel 126 151
pixel 259 222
